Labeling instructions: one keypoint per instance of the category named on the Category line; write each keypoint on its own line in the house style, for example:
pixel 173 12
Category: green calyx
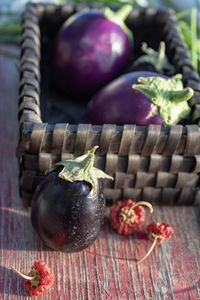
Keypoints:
pixel 82 169
pixel 119 17
pixel 168 95
pixel 156 58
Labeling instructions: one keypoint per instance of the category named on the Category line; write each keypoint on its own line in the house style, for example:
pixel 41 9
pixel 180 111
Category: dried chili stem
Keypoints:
pixel 22 274
pixel 150 250
pixel 143 203
pixel 129 214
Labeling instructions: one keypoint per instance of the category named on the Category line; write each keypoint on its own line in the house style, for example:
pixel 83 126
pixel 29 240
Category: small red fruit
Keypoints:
pixel 127 216
pixel 39 279
pixel 157 232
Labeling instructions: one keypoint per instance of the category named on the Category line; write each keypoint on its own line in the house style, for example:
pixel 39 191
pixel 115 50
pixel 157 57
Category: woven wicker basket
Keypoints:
pixel 152 163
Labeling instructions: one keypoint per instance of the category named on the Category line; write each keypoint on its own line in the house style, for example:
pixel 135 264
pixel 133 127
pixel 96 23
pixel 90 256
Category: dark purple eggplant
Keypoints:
pixel 152 61
pixel 68 206
pixel 90 50
pixel 138 65
pixel 140 98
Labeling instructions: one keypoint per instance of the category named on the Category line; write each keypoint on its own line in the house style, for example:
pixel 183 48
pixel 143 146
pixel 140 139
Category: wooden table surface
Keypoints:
pixel 107 270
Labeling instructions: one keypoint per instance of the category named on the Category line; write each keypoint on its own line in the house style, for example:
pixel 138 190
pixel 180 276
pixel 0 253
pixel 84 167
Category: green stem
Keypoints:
pixel 123 13
pixel 161 51
pixel 119 17
pixel 194 36
pixel 158 59
pixel 93 150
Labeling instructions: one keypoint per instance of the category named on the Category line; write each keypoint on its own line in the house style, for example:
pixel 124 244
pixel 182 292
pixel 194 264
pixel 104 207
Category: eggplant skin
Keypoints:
pixel 118 103
pixel 140 66
pixel 67 216
pixel 89 51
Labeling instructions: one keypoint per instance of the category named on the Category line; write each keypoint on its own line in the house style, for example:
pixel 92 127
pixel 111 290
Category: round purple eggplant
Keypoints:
pixel 140 98
pixel 68 206
pixel 138 65
pixel 152 61
pixel 90 50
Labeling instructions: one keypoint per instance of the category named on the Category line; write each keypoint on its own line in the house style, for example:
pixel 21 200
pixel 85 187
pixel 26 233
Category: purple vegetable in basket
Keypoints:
pixel 90 50
pixel 152 61
pixel 140 98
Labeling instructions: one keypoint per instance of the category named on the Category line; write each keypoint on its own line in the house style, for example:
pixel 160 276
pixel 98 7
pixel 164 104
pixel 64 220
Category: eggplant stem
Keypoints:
pixel 93 149
pixel 123 13
pixel 150 250
pixel 145 204
pixel 119 18
pixel 161 51
pixel 22 274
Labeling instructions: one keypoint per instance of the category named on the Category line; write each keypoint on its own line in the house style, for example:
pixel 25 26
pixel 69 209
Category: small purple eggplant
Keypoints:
pixel 90 49
pixel 140 98
pixel 152 61
pixel 68 206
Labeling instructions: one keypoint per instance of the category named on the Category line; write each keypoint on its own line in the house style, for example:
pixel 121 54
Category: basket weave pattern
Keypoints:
pixel 153 163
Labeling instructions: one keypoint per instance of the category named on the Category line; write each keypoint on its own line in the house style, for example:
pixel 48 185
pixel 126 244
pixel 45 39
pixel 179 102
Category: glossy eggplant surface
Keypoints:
pixel 67 215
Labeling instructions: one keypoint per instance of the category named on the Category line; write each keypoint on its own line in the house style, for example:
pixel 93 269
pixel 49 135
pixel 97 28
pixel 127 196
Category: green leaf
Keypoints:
pixel 189 32
pixel 82 169
pixel 168 95
pixel 193 24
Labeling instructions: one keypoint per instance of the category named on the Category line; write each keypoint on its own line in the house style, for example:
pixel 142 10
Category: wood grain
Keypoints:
pixel 107 270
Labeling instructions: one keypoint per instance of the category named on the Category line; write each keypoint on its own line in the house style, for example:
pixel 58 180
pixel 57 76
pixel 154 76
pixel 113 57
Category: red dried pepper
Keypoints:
pixel 157 232
pixel 39 279
pixel 127 216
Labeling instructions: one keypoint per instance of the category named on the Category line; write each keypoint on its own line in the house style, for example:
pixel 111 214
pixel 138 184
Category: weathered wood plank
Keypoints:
pixel 107 270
